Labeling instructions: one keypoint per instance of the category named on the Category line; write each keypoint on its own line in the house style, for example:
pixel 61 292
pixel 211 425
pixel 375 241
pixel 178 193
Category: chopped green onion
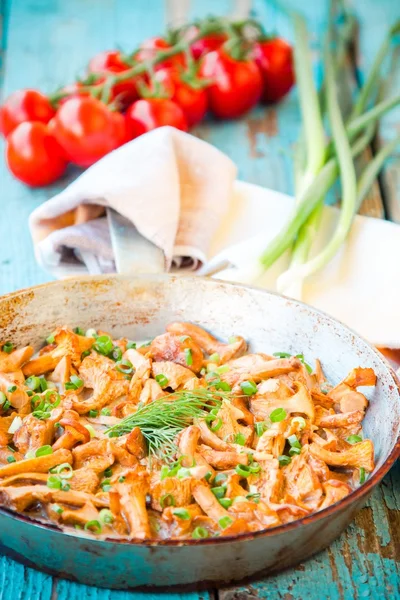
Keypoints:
pixel 11 459
pixel 254 497
pixel 200 533
pixel 93 413
pixel 121 479
pixel 243 470
pixel 54 482
pixel 225 502
pixel 65 487
pixel 167 500
pixel 93 526
pixel 12 389
pixel 188 356
pixel 254 468
pixel 162 380
pixel 278 415
pixel 208 476
pixel 220 478
pixel 249 388
pixel 233 339
pixel 240 439
pixel 106 485
pixel 260 428
pixel 284 460
pixel 91 430
pixel 183 338
pixel 124 366
pixel 181 513
pixel 43 451
pixel 302 360
pixel 11 448
pixel 362 475
pixel 105 516
pixel 224 522
pixel 108 472
pixel 294 442
pixel 43 384
pixel 223 385
pixel 294 451
pixel 74 383
pixel 354 439
pixel 57 508
pixel 64 470
pixel 106 412
pixel 217 426
pixel 84 354
pixel 222 369
pixel 116 353
pixel 33 382
pixel 301 422
pixel 79 331
pixel 214 357
pixel 103 345
pixel 220 491
pixel 50 339
pixel 3 398
pixel 8 347
pixel 131 345
pixel 239 499
pixel 282 354
pixel 183 472
pixel 91 333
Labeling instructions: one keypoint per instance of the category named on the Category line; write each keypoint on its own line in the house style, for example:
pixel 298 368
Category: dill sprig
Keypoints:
pixel 162 420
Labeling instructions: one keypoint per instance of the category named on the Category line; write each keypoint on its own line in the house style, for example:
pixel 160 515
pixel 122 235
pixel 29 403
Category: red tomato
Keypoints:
pixel 150 48
pixel 207 44
pixel 110 62
pixel 33 155
pixel 236 87
pixel 275 60
pixel 87 130
pixel 149 113
pixel 192 100
pixel 24 105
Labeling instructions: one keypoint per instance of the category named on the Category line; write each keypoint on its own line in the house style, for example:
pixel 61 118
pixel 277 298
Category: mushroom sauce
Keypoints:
pixel 184 437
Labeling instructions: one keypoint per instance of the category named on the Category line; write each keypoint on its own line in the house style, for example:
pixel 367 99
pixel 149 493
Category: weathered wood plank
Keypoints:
pixel 375 18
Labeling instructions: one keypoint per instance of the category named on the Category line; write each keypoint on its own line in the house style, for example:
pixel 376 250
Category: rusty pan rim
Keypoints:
pixel 356 495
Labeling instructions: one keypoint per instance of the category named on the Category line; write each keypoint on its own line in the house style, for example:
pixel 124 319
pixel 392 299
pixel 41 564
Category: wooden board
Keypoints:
pixel 47 42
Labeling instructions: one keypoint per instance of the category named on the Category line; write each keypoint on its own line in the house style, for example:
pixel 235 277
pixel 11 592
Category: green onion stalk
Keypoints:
pixel 358 132
pixel 347 178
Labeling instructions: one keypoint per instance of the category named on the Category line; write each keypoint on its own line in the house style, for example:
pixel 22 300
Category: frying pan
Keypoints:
pixel 140 308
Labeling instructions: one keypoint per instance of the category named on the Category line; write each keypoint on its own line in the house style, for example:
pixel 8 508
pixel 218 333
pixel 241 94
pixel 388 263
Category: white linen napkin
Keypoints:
pixel 180 193
pixel 361 284
pixel 171 185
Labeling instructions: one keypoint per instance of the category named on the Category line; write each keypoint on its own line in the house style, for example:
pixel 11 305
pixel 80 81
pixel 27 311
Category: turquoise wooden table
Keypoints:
pixel 45 43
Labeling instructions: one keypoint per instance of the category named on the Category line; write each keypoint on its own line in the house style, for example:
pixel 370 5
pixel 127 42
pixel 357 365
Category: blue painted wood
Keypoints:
pixel 48 42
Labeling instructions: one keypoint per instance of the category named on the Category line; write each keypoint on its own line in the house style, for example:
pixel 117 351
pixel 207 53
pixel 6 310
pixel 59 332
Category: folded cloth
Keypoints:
pixel 360 286
pixel 174 187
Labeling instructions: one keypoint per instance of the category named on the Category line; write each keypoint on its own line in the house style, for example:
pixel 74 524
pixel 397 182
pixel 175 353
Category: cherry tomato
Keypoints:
pixel 236 87
pixel 274 58
pixel 149 113
pixel 192 99
pixel 24 105
pixel 110 62
pixel 207 44
pixel 150 48
pixel 87 130
pixel 33 155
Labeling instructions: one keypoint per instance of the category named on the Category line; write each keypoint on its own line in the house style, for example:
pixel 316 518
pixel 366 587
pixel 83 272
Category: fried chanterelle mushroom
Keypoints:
pixel 182 437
